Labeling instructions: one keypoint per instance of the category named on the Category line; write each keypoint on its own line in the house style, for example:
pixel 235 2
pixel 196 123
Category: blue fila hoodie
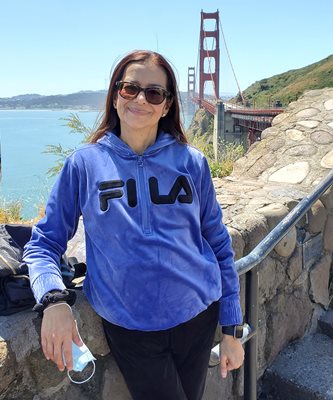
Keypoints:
pixel 157 251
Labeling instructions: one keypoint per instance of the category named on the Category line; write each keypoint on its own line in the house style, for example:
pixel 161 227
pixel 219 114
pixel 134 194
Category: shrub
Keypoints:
pixel 10 212
pixel 227 154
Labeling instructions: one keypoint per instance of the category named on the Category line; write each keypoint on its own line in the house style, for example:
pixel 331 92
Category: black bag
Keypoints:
pixel 15 291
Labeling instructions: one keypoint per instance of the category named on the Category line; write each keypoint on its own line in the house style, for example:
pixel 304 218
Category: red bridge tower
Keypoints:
pixel 209 54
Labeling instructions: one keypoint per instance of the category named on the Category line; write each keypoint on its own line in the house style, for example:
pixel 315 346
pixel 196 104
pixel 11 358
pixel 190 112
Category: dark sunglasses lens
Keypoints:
pixel 128 91
pixel 155 96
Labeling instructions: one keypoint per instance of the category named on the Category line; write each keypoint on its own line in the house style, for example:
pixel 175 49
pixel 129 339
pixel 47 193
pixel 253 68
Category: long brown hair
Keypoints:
pixel 170 123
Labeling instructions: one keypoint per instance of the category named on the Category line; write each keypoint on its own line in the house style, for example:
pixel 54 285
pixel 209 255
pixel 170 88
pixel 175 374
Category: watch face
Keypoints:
pixel 239 331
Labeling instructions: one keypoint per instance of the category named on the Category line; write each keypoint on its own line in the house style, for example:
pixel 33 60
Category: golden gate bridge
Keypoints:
pixel 232 122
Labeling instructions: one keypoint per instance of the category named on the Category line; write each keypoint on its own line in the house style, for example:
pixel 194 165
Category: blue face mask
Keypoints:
pixel 81 358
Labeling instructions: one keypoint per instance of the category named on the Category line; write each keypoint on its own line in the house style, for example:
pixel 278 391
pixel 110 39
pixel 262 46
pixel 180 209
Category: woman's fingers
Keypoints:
pixel 57 334
pixel 44 346
pixel 57 354
pixel 67 354
pixel 48 349
pixel 232 355
pixel 224 367
pixel 76 336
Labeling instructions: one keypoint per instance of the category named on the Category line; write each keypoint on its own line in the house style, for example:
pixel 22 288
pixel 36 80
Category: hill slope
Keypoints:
pixel 289 85
pixel 87 100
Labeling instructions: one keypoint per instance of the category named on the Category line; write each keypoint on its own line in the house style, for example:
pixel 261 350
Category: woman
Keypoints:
pixel 160 267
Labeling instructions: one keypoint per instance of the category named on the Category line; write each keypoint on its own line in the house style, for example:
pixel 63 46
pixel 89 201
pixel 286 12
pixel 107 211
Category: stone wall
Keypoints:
pixel 266 184
pixel 273 176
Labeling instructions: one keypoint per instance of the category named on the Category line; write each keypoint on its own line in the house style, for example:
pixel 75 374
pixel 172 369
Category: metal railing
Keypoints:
pixel 249 265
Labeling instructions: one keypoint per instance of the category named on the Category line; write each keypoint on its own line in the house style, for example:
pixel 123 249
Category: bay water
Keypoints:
pixel 24 136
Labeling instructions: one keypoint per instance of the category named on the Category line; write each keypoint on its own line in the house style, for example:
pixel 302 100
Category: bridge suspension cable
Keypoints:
pixel 197 69
pixel 232 67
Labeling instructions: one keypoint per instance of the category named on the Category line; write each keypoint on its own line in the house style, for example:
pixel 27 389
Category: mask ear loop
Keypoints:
pixel 86 380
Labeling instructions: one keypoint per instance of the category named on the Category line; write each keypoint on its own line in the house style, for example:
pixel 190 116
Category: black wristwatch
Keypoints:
pixel 233 330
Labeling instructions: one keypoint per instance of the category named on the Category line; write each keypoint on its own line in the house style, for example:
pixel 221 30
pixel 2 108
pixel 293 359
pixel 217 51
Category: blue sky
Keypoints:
pixel 64 46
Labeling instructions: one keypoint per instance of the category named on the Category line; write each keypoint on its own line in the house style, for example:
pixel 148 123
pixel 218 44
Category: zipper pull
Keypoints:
pixel 140 161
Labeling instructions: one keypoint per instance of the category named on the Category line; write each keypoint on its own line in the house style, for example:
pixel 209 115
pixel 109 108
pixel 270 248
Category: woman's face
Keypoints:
pixel 139 114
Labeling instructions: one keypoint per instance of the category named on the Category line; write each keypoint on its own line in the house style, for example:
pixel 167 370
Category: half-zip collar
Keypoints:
pixel 122 149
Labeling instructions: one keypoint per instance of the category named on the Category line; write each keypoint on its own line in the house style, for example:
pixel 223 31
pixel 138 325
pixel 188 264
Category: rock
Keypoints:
pixel 274 213
pixel 256 229
pixel 271 277
pixel 327 160
pixel 280 118
pixel 90 326
pixel 287 244
pixel 317 217
pixel 215 385
pixel 308 124
pixel 276 144
pixel 7 366
pixel 313 93
pixel 268 132
pixel 237 242
pixel 322 137
pixel 292 173
pixel 319 279
pixel 327 199
pixel 328 233
pixel 113 384
pixel 288 317
pixel 295 134
pixel 302 280
pixel 295 265
pixel 307 113
pixel 328 104
pixel 301 150
pixel 21 333
pixel 262 164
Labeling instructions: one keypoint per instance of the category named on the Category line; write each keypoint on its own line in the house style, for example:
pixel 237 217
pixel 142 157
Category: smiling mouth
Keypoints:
pixel 138 111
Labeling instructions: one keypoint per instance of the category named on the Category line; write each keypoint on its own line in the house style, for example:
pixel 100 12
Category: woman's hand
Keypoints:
pixel 231 354
pixel 58 331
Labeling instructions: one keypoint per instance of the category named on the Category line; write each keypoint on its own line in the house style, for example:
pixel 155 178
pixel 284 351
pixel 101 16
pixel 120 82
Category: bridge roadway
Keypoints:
pixel 254 119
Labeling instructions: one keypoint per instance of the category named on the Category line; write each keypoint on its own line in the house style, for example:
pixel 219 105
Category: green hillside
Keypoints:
pixel 288 86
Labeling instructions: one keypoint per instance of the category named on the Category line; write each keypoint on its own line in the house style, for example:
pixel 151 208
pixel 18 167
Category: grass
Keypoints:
pixel 227 154
pixel 11 213
pixel 289 85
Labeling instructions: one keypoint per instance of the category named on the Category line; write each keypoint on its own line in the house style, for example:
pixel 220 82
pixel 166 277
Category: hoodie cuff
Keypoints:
pixel 45 283
pixel 230 312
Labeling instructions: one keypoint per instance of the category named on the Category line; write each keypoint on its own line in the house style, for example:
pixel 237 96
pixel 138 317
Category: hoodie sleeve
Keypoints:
pixel 50 236
pixel 216 233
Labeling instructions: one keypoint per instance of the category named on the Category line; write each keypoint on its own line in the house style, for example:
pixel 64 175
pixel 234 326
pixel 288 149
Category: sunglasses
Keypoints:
pixel 129 91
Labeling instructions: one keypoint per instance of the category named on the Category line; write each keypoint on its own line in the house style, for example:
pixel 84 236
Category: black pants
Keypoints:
pixel 165 365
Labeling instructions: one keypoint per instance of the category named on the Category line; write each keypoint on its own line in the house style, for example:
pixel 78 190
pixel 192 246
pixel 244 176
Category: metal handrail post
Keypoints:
pixel 251 315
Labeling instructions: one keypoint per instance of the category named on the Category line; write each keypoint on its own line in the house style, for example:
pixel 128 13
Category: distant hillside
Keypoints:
pixel 289 85
pixel 86 100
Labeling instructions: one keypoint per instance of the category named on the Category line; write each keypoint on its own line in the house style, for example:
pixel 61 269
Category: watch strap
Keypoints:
pixel 67 295
pixel 233 330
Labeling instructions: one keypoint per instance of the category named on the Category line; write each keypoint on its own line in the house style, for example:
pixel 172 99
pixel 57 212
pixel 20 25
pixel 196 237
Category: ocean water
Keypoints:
pixel 24 136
